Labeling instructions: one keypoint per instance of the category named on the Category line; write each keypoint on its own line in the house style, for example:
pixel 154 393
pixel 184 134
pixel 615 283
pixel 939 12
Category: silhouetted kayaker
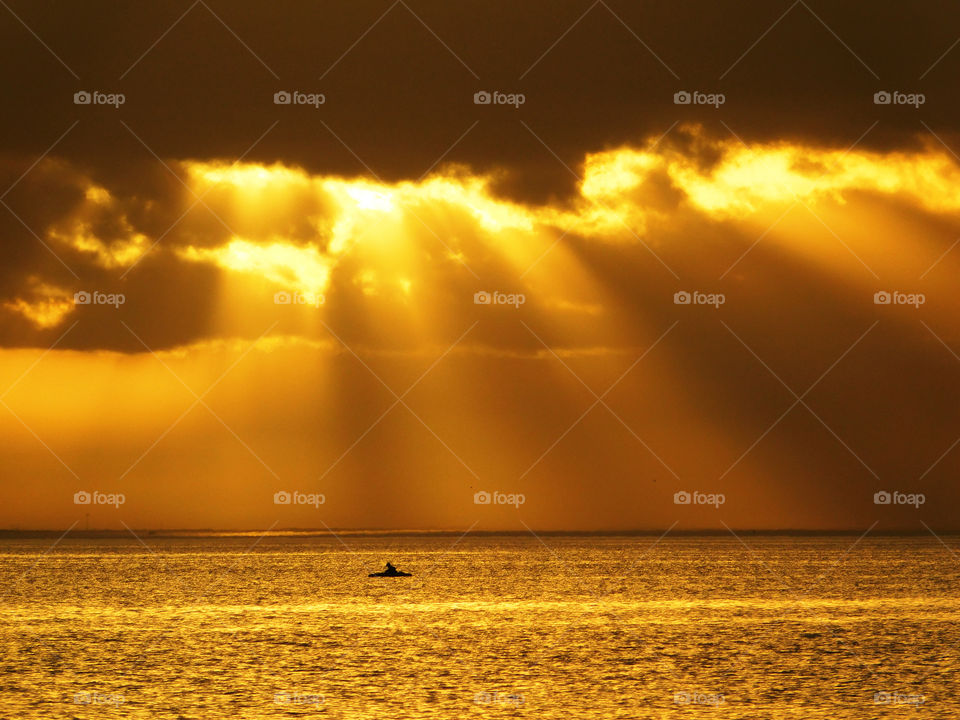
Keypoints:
pixel 390 571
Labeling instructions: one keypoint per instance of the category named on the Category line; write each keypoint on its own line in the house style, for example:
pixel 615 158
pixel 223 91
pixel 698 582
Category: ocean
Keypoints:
pixel 546 627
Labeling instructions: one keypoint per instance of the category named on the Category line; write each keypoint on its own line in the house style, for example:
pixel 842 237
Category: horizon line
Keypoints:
pixel 106 533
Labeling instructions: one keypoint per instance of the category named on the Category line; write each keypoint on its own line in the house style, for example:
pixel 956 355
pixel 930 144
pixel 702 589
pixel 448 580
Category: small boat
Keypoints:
pixel 390 571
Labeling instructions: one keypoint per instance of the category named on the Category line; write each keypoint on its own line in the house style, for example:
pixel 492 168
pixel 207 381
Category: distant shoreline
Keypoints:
pixel 324 533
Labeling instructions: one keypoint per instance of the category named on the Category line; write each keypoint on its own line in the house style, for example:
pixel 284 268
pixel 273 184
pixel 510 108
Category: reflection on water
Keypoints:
pixel 493 627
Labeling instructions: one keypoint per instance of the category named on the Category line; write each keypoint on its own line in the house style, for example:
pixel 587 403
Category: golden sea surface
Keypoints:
pixel 487 627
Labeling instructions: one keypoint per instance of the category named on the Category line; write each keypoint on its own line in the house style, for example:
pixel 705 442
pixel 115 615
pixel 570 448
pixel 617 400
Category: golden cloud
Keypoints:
pixel 45 305
pixel 98 227
pixel 295 230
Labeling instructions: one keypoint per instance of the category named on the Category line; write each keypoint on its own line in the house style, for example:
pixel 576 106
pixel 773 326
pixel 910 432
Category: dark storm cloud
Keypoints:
pixel 48 207
pixel 403 93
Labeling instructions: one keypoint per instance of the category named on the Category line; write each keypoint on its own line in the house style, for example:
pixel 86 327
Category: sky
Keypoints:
pixel 586 304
